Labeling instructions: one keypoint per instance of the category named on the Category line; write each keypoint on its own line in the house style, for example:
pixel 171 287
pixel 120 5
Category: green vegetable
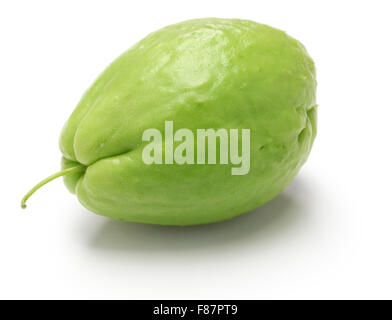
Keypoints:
pixel 200 74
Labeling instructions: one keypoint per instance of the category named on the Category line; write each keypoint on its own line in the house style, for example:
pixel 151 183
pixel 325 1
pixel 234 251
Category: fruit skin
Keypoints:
pixel 205 73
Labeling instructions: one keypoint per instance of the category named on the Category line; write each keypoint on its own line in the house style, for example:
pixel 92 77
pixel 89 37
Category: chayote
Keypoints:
pixel 205 73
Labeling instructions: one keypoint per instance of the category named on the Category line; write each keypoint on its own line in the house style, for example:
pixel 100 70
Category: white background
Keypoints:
pixel 328 235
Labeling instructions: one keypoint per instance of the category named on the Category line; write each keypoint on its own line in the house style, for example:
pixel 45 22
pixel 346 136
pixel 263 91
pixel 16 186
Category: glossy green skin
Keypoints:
pixel 206 73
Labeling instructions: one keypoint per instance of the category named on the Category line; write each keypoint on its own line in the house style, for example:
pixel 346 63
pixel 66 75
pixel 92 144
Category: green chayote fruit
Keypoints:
pixel 205 73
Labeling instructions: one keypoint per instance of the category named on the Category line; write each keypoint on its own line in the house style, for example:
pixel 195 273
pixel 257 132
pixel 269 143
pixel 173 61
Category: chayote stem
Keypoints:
pixel 48 179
